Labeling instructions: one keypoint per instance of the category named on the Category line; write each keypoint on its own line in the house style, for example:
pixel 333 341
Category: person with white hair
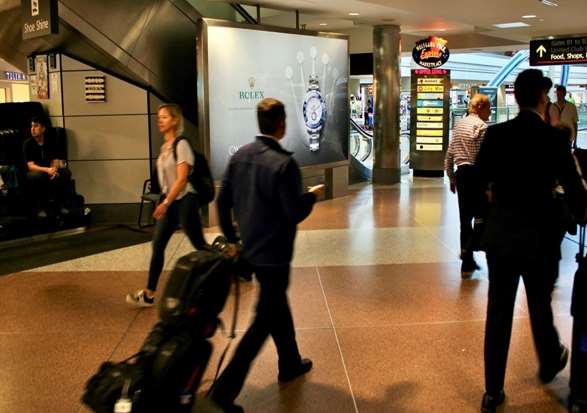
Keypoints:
pixel 462 152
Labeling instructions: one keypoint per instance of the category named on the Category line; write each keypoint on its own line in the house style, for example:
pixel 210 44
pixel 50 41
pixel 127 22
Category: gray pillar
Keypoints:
pixel 386 65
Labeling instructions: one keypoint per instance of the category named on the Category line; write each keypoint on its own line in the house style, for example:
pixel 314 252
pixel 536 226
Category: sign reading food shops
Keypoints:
pixel 39 18
pixel 566 51
pixel 431 52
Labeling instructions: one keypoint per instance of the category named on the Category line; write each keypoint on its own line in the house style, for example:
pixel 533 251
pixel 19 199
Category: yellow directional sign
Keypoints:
pixel 430 125
pixel 429 132
pixel 424 118
pixel 429 139
pixel 430 81
pixel 430 111
pixel 430 88
pixel 429 147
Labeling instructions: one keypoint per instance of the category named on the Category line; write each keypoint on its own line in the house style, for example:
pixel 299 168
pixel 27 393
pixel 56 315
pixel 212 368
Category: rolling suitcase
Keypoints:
pixel 166 373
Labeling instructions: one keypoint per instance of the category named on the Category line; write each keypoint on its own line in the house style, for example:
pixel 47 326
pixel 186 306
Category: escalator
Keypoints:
pixel 150 43
pixel 361 149
pixel 362 152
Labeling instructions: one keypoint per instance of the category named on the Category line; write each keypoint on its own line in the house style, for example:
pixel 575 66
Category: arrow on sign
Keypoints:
pixel 541 50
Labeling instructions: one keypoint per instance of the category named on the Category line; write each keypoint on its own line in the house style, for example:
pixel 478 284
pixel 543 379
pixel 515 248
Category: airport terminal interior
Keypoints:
pixel 373 91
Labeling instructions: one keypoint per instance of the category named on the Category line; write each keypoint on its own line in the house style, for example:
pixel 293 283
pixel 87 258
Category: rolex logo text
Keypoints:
pixel 251 95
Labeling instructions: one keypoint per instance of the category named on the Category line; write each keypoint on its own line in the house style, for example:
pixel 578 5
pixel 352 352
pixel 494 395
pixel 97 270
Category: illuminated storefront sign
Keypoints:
pixel 431 52
pixel 429 119
pixel 17 76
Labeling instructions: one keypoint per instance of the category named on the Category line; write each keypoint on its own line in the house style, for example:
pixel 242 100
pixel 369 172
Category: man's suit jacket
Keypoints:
pixel 522 161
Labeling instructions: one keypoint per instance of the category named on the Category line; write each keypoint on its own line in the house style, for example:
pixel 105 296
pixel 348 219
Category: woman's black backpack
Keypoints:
pixel 200 176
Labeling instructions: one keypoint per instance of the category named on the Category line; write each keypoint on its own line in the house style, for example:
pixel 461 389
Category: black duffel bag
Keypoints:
pixel 117 382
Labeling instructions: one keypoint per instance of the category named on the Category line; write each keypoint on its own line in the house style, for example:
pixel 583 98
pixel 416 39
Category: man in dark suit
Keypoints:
pixel 263 187
pixel 520 162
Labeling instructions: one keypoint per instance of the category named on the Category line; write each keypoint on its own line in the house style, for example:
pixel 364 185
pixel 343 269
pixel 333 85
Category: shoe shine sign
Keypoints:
pixel 39 18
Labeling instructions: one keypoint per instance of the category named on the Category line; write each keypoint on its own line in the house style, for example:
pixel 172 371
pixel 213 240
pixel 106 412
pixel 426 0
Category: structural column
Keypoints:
pixel 387 76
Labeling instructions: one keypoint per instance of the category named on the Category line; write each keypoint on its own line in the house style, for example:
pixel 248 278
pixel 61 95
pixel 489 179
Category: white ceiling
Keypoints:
pixel 424 17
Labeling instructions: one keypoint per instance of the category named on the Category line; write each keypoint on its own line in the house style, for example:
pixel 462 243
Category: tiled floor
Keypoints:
pixel 378 303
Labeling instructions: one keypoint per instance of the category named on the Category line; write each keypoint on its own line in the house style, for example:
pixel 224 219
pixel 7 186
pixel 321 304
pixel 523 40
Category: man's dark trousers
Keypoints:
pixel 273 318
pixel 42 189
pixel 539 280
pixel 469 197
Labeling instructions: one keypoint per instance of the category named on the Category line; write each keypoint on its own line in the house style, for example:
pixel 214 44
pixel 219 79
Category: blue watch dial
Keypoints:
pixel 314 110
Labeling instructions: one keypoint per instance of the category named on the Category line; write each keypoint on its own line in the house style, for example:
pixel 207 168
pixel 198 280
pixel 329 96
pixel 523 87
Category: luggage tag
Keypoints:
pixel 124 404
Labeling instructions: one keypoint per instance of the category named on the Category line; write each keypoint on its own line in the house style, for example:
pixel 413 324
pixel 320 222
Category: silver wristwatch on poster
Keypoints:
pixel 314 113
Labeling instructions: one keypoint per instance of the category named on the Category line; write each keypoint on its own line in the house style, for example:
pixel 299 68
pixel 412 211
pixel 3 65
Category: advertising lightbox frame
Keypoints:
pixel 203 78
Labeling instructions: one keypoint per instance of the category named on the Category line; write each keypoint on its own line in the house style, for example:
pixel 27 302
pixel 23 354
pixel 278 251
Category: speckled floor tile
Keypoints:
pixel 71 302
pixel 305 297
pixel 387 295
pixel 373 246
pixel 440 368
pixel 47 372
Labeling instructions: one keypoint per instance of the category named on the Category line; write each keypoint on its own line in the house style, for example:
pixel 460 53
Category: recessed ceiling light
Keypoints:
pixel 513 25
pixel 551 3
pixel 550 37
pixel 529 16
pixel 323 24
pixel 354 14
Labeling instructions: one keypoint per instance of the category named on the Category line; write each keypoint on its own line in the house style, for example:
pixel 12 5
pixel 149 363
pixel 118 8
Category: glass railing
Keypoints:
pixel 582 112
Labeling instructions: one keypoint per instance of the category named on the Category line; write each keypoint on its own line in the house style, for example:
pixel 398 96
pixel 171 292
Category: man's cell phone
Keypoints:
pixel 316 188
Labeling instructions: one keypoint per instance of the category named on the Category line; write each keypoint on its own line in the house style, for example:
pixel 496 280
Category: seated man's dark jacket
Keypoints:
pixel 522 160
pixel 42 155
pixel 263 185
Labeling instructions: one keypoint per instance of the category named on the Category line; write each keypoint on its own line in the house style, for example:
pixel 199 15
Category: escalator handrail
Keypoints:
pixel 368 153
pixel 359 129
pixel 355 152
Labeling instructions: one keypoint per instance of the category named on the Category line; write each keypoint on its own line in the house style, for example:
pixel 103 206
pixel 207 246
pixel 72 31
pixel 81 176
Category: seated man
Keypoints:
pixel 47 176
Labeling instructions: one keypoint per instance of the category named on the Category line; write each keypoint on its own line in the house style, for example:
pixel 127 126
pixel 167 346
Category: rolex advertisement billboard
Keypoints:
pixel 308 73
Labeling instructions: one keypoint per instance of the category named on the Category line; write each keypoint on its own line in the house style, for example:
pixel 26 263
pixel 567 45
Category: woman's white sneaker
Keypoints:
pixel 140 299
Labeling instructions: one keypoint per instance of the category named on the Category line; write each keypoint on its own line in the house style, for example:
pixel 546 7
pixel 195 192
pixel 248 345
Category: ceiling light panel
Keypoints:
pixel 513 25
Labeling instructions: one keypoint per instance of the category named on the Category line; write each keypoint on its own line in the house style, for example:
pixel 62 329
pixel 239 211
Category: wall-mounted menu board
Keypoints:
pixel 429 120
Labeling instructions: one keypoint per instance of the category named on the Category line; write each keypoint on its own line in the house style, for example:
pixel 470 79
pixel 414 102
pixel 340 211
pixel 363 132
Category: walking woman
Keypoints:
pixel 179 205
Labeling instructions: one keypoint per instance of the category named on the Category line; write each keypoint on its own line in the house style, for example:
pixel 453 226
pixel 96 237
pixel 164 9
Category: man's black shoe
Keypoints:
pixel 304 367
pixel 468 267
pixel 491 403
pixel 547 375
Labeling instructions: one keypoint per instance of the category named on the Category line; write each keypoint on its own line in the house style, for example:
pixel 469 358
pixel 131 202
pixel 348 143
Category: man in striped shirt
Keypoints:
pixel 462 152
